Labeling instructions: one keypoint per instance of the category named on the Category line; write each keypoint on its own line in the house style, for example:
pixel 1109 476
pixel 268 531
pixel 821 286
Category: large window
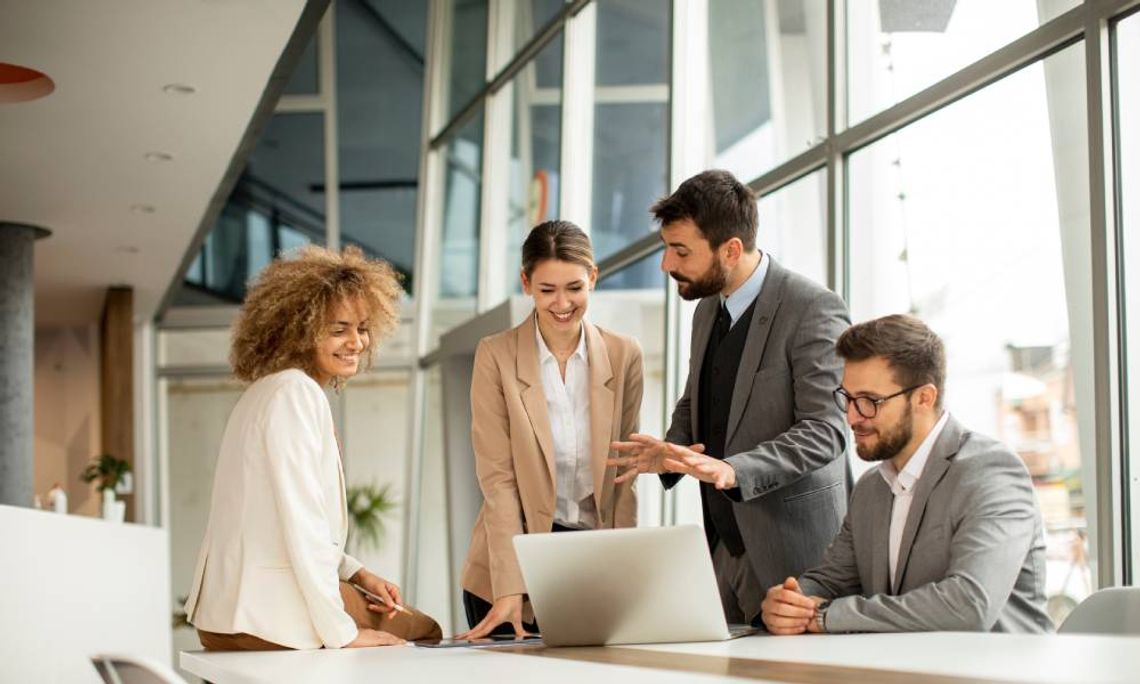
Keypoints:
pixel 975 219
pixel 896 49
pixel 793 227
pixel 536 139
pixel 379 95
pixel 766 80
pixel 631 122
pixel 457 264
pixel 640 313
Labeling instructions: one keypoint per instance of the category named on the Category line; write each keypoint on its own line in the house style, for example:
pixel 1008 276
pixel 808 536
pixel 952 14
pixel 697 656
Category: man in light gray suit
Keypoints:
pixel 756 423
pixel 944 534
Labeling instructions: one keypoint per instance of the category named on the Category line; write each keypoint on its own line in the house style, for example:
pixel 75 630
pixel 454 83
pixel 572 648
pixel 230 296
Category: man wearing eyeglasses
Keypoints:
pixel 944 534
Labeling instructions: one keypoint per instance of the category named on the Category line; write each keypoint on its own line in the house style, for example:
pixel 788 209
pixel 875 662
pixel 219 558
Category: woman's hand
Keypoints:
pixel 504 609
pixel 388 592
pixel 373 637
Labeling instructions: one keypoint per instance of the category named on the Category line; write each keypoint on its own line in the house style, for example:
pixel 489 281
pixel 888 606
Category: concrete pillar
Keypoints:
pixel 17 330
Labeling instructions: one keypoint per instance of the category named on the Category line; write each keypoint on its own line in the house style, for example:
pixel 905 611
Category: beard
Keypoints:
pixel 709 283
pixel 891 442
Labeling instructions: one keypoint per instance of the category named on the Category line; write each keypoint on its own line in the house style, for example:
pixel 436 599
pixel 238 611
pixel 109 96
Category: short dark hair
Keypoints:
pixel 915 353
pixel 561 240
pixel 721 206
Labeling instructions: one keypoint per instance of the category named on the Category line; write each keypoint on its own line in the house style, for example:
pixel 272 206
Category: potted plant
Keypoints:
pixel 110 472
pixel 368 505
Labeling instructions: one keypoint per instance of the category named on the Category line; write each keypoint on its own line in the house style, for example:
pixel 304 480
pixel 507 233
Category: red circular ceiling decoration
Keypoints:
pixel 21 84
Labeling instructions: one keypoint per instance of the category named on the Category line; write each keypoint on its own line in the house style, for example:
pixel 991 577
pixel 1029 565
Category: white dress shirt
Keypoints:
pixel 568 407
pixel 902 486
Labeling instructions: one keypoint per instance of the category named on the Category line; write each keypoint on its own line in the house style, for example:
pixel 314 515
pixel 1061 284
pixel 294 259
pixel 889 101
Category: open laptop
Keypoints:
pixel 629 586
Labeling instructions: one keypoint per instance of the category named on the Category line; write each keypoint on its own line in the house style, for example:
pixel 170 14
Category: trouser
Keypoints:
pixel 477 608
pixel 412 626
pixel 740 591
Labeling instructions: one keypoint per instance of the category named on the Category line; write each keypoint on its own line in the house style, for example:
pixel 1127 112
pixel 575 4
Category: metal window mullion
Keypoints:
pixel 577 149
pixel 494 196
pixel 1106 350
pixel 327 65
pixel 428 212
pixel 836 210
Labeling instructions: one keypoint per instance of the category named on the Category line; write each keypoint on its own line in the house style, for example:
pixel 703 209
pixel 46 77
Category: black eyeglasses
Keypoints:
pixel 865 406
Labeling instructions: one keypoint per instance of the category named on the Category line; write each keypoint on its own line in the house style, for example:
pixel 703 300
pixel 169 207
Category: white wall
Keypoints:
pixel 73 586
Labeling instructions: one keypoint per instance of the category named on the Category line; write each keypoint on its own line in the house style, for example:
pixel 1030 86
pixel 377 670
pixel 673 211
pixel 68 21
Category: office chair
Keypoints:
pixel 122 669
pixel 1115 610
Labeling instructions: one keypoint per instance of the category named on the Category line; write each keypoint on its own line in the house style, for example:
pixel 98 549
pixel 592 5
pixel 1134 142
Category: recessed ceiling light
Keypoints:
pixel 21 84
pixel 158 157
pixel 178 89
pixel 142 208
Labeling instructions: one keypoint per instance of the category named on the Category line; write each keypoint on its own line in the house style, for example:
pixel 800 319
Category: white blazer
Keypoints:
pixel 273 554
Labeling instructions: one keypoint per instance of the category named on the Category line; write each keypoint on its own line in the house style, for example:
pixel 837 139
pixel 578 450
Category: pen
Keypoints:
pixel 377 599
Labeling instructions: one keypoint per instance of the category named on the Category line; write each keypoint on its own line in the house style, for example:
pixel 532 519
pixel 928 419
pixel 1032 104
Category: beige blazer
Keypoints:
pixel 514 447
pixel 273 554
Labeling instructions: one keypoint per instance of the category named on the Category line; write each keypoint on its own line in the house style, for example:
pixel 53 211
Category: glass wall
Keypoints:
pixel 640 314
pixel 940 222
pixel 631 124
pixel 536 154
pixel 793 226
pixel 766 80
pixel 969 206
pixel 278 205
pixel 379 93
pixel 895 49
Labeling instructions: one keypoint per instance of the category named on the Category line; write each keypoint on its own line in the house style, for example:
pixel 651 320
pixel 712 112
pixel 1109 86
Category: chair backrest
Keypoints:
pixel 122 669
pixel 1115 610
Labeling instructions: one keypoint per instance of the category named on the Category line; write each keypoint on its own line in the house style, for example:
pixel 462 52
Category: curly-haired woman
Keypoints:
pixel 272 572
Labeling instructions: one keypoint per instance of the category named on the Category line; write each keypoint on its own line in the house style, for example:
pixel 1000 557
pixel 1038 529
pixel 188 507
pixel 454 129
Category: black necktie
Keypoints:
pixel 723 322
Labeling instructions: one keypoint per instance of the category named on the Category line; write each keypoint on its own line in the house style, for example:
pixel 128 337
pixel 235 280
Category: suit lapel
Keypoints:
pixel 767 302
pixel 601 409
pixel 936 466
pixel 703 319
pixel 533 395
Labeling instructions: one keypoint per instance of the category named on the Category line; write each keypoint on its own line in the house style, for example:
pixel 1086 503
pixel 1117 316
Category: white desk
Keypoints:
pixel 949 658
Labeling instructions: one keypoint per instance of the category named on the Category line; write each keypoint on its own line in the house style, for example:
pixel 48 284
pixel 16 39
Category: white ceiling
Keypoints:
pixel 74 162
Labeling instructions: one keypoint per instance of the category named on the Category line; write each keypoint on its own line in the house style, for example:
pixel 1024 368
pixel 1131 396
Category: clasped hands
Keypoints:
pixel 645 454
pixel 786 610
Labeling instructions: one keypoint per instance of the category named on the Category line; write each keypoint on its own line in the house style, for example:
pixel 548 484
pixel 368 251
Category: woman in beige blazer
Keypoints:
pixel 272 571
pixel 547 398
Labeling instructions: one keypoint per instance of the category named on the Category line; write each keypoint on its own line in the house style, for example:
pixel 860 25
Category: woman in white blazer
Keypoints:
pixel 272 571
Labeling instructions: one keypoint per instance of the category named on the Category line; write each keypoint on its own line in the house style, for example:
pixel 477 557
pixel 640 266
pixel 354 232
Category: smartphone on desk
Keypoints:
pixel 492 641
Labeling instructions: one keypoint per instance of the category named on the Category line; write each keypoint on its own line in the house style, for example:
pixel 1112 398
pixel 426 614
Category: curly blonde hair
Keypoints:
pixel 287 308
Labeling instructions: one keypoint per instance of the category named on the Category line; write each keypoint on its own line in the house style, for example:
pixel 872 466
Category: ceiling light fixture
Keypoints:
pixel 158 157
pixel 142 208
pixel 21 84
pixel 179 89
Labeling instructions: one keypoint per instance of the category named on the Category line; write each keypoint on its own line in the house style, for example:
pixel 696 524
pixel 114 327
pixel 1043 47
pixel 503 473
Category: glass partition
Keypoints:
pixel 976 219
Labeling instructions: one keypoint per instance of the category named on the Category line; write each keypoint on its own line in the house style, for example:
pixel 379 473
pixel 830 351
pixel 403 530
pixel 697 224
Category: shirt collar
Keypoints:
pixel 904 481
pixel 739 301
pixel 544 352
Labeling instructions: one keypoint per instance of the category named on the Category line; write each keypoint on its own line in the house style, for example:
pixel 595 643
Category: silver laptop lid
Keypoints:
pixel 628 586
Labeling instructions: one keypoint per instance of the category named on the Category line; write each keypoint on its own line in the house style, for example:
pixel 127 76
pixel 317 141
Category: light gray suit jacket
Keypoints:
pixel 972 556
pixel 786 438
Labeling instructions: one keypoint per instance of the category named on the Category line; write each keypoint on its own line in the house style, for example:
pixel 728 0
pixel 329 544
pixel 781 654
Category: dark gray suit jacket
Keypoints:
pixel 786 438
pixel 972 556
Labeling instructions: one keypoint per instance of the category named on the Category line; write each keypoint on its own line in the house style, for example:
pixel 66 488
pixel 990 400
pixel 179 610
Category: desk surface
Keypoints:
pixel 946 658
